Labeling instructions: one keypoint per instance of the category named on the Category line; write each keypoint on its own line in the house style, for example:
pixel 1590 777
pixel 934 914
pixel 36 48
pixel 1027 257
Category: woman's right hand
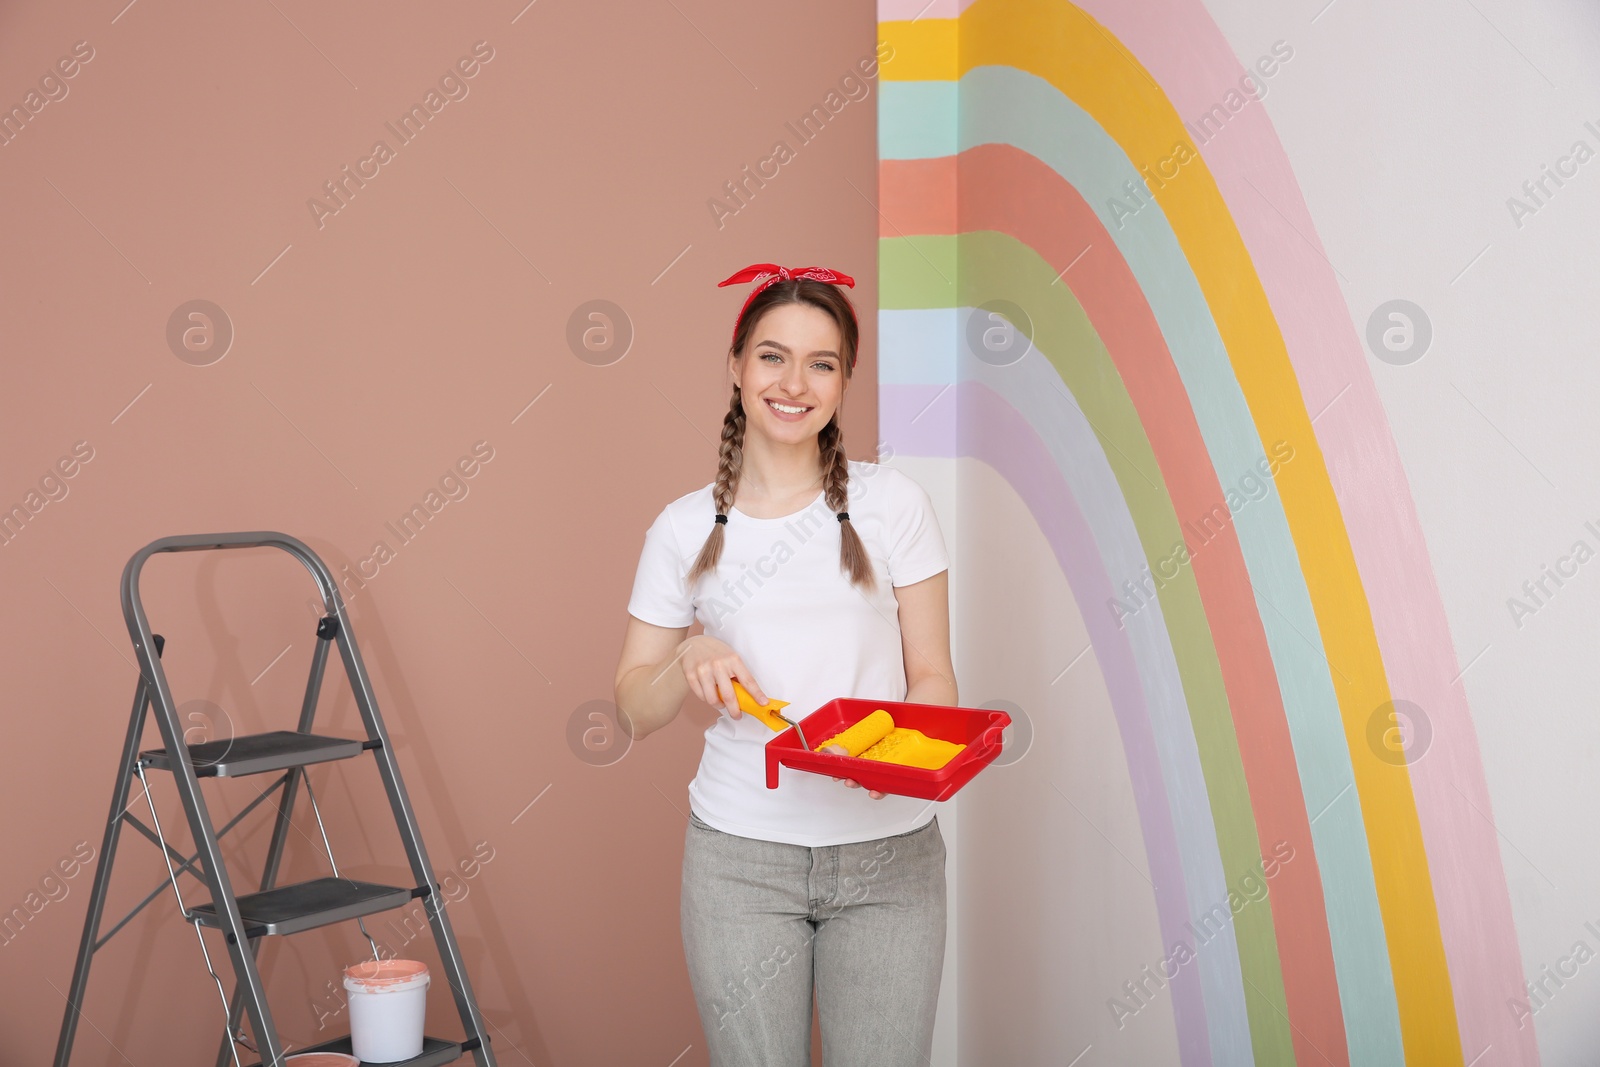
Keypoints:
pixel 710 666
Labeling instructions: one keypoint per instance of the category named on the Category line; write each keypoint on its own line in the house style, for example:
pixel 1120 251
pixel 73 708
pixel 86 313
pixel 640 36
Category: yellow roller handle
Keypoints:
pixel 864 734
pixel 762 712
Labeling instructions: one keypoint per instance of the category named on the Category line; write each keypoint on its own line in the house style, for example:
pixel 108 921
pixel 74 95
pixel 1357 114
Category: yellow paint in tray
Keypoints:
pixel 876 737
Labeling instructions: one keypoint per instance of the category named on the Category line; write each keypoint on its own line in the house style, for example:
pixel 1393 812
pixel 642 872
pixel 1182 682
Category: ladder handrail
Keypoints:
pixel 133 607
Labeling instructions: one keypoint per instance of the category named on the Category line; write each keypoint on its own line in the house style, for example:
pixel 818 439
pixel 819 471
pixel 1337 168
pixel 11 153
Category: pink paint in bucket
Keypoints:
pixel 322 1059
pixel 388 999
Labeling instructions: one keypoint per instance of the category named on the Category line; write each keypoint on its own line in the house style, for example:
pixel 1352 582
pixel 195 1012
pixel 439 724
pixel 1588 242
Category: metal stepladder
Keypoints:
pixel 274 910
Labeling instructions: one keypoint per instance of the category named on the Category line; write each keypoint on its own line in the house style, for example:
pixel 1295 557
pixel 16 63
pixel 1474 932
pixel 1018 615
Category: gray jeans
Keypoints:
pixel 763 921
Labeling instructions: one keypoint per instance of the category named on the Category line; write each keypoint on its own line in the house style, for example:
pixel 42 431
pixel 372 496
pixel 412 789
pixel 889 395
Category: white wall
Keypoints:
pixel 1409 126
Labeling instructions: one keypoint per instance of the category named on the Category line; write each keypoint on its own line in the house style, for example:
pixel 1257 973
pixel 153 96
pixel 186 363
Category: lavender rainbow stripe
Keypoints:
pixel 1022 457
pixel 1034 389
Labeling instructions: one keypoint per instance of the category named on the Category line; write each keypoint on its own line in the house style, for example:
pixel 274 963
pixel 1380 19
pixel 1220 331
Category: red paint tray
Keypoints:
pixel 977 728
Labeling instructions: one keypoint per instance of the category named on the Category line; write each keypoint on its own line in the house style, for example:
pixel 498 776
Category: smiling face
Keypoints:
pixel 792 376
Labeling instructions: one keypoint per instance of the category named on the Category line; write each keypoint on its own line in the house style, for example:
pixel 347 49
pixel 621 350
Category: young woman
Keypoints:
pixel 815 577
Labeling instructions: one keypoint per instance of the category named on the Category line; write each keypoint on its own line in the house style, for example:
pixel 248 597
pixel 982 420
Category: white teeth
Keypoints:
pixel 787 410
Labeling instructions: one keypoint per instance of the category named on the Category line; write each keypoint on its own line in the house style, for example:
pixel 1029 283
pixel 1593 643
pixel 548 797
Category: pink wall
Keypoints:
pixel 371 350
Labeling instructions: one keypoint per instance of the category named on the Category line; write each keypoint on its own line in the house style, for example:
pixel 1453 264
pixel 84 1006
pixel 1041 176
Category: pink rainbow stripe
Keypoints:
pixel 1369 481
pixel 1179 44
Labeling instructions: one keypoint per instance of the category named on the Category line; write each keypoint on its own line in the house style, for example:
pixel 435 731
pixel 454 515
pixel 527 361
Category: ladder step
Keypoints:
pixel 259 753
pixel 307 905
pixel 434 1051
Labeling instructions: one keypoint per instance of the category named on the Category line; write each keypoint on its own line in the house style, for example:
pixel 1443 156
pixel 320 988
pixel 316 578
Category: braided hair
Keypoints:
pixel 853 559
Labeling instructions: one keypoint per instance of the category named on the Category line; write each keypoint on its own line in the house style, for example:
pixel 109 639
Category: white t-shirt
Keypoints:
pixel 780 599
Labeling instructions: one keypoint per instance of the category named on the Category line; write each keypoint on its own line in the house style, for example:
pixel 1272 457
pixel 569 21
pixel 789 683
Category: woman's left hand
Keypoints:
pixel 839 750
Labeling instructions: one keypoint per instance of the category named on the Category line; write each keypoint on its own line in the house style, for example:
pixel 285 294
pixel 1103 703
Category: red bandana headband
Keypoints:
pixel 765 274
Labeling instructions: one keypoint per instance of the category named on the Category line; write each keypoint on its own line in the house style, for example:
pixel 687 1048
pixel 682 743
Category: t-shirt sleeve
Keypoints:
pixel 916 545
pixel 660 594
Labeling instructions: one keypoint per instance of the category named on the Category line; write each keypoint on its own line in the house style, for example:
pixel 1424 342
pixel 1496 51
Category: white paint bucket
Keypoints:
pixel 387 1005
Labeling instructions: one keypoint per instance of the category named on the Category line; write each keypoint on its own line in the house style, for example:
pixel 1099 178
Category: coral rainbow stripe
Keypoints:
pixel 999 191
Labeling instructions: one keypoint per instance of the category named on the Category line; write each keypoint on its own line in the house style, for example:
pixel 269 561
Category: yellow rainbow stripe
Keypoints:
pixel 1063 45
